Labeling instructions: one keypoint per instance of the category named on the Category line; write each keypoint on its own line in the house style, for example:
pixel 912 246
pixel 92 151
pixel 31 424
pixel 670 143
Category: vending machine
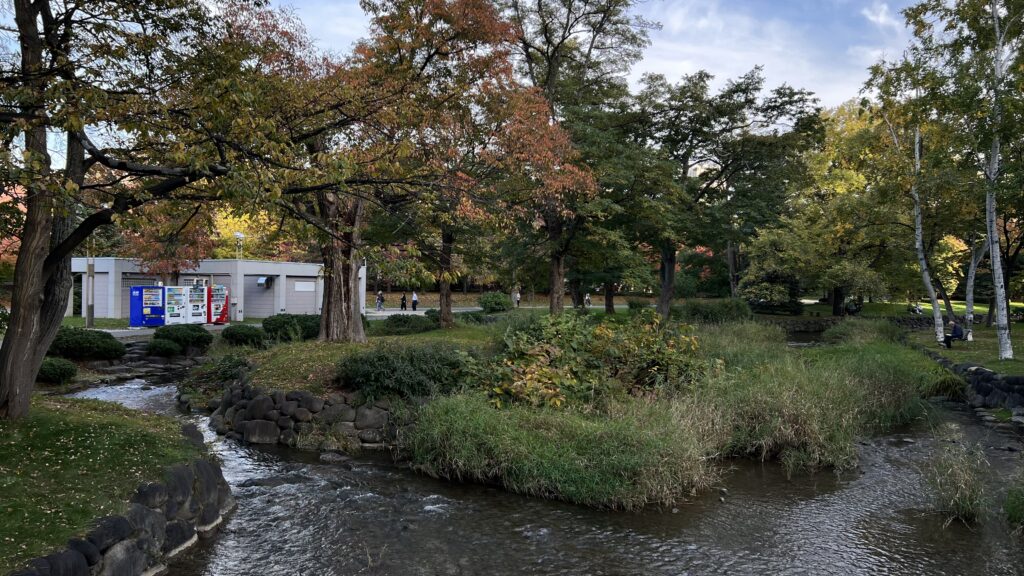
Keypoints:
pixel 197 301
pixel 217 304
pixel 146 306
pixel 176 308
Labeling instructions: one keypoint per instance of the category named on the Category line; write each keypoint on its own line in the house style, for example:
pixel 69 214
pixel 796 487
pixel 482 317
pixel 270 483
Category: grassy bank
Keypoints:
pixel 760 399
pixel 983 350
pixel 72 461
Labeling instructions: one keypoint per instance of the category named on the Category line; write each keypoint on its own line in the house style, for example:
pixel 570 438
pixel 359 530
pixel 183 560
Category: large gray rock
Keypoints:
pixel 371 435
pixel 127 558
pixel 278 397
pixel 87 549
pixel 206 488
pixel 67 563
pixel 218 425
pixel 179 479
pixel 288 408
pixel 306 400
pixel 337 413
pixel 178 533
pixel 261 432
pixel 302 415
pixel 258 407
pixel 150 522
pixel 109 531
pixel 370 417
pixel 289 437
pixel 285 423
pixel 152 495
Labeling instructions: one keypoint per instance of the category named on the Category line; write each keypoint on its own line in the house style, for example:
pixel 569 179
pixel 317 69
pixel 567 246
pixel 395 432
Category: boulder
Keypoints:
pixel 218 425
pixel 127 558
pixel 67 563
pixel 178 533
pixel 370 417
pixel 109 531
pixel 272 415
pixel 207 480
pixel 304 428
pixel 261 432
pixel 289 407
pixel 337 413
pixel 193 435
pixel 258 407
pixel 302 415
pixel 152 495
pixel 87 549
pixel 179 479
pixel 335 398
pixel 289 437
pixel 148 521
pixel 285 423
pixel 371 435
pixel 278 398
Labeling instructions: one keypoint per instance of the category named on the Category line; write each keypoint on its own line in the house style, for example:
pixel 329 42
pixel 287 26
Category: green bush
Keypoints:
pixel 862 331
pixel 712 311
pixel 405 370
pixel 56 371
pixel 1014 506
pixel 222 369
pixel 645 453
pixel 186 336
pixel 433 313
pixel 572 358
pixel 245 335
pixel 493 302
pixel 81 344
pixel 164 347
pixel 403 324
pixel 636 304
pixel 292 327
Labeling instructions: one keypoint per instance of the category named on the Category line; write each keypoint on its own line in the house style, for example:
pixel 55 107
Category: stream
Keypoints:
pixel 297 515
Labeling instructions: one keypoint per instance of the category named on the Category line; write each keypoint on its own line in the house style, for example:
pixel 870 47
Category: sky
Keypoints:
pixel 824 46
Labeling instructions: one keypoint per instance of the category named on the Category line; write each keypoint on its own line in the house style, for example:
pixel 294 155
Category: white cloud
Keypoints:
pixel 880 15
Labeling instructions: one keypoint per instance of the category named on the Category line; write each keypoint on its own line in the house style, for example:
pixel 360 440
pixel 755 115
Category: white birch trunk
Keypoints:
pixel 992 179
pixel 922 262
pixel 977 254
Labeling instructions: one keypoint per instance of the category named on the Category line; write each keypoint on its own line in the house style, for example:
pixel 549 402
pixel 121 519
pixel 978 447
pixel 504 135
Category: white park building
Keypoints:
pixel 258 288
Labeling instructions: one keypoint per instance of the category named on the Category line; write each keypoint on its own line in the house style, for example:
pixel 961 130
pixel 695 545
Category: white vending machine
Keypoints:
pixel 176 308
pixel 197 305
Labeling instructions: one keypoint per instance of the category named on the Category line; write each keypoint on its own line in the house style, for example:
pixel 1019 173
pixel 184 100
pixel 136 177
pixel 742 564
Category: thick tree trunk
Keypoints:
pixel 667 277
pixel 557 279
pixel 1002 315
pixel 992 174
pixel 977 254
pixel 340 319
pixel 576 293
pixel 837 301
pixel 444 278
pixel 609 298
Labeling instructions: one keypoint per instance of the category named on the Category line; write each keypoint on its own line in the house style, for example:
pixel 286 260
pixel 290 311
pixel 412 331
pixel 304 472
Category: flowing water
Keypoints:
pixel 297 515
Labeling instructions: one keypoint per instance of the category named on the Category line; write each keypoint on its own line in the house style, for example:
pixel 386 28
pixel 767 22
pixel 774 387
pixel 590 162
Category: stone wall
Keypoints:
pixel 251 415
pixel 162 520
pixel 988 389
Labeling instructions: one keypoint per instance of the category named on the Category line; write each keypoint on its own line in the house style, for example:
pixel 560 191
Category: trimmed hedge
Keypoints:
pixel 164 347
pixel 289 327
pixel 245 335
pixel 402 324
pixel 495 302
pixel 81 344
pixel 186 336
pixel 56 371
pixel 402 370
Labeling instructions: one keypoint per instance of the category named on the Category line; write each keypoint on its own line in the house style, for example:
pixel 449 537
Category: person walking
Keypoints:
pixel 415 300
pixel 380 301
pixel 401 303
pixel 586 299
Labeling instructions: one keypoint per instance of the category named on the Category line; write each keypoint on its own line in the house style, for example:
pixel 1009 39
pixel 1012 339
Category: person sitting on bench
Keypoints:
pixel 956 333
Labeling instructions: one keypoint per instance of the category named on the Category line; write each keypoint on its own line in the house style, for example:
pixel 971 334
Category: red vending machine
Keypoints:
pixel 217 304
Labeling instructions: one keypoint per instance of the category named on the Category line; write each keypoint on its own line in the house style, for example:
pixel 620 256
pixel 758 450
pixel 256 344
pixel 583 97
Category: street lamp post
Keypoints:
pixel 238 243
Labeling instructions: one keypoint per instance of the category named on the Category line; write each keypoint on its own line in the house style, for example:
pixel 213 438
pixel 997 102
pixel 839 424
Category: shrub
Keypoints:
pixel 862 331
pixel 402 324
pixel 81 344
pixel 186 336
pixel 1014 506
pixel 164 347
pixel 245 335
pixel 433 313
pixel 223 369
pixel 646 453
pixel 957 478
pixel 572 358
pixel 493 302
pixel 56 371
pixel 712 311
pixel 402 370
pixel 636 304
pixel 291 327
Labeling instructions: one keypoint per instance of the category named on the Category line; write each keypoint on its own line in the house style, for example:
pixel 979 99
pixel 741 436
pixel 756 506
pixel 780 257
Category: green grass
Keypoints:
pixel 98 323
pixel 1014 505
pixel 645 453
pixel 900 308
pixel 984 350
pixel 956 475
pixel 72 461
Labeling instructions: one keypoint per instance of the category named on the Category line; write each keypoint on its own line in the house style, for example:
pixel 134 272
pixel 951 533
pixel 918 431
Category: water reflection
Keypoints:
pixel 299 516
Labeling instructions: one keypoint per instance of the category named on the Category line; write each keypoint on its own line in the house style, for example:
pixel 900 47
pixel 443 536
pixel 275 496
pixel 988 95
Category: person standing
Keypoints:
pixel 415 300
pixel 401 303
pixel 516 296
pixel 586 299
pixel 380 301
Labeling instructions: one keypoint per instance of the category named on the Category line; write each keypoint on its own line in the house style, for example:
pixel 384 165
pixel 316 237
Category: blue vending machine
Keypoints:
pixel 146 306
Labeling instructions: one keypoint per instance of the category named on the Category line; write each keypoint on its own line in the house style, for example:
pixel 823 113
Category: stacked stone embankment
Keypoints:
pixel 248 414
pixel 162 519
